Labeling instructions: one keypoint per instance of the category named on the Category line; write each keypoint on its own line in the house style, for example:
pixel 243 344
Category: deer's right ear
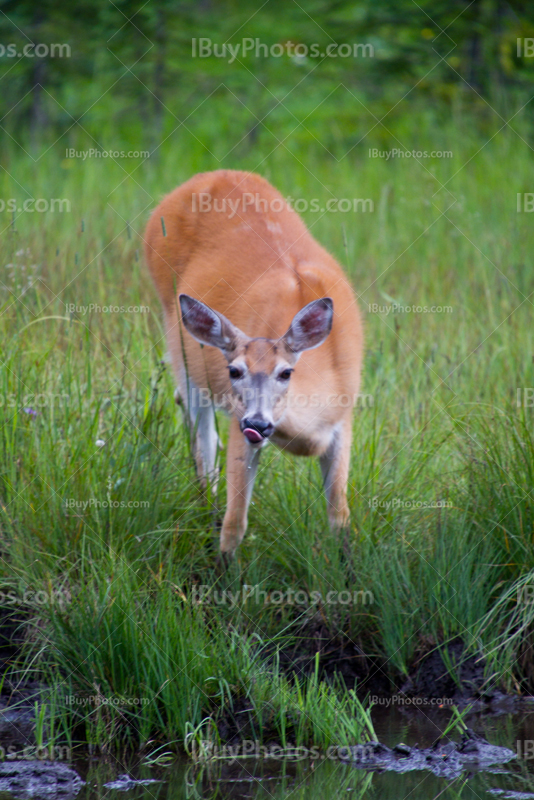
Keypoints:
pixel 208 326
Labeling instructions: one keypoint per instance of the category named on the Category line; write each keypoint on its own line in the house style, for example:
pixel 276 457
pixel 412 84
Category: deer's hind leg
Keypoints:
pixel 199 415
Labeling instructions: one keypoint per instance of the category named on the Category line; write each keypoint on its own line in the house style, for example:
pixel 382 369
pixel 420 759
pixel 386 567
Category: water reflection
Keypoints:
pixel 322 779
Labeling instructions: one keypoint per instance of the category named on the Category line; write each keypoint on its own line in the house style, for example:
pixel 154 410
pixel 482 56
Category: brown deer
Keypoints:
pixel 236 269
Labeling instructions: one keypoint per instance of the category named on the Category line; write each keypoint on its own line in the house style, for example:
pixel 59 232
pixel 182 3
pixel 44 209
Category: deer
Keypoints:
pixel 261 322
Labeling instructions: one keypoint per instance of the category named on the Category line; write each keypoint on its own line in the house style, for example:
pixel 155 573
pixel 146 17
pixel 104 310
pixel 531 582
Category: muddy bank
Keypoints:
pixel 339 655
pixel 428 675
pixel 29 779
pixel 446 759
pixel 17 721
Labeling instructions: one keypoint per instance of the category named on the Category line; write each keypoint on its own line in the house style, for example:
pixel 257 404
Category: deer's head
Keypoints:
pixel 259 369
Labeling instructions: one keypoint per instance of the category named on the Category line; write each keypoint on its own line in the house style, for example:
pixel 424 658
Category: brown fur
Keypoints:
pixel 258 269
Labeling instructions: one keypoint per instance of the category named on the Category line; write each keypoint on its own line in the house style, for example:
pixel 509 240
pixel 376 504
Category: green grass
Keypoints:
pixel 110 588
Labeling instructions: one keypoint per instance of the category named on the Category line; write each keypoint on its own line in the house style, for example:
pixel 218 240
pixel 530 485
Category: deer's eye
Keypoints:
pixel 285 375
pixel 235 373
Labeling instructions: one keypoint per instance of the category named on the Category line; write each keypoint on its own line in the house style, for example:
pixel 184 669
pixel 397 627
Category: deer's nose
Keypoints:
pixel 256 429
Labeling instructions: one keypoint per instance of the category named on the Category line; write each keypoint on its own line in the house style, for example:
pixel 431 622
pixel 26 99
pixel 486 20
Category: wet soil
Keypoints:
pixel 428 676
pixel 25 777
pixel 39 779
pixel 446 759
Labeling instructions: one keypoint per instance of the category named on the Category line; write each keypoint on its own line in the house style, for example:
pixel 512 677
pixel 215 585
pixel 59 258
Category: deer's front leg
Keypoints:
pixel 335 470
pixel 241 467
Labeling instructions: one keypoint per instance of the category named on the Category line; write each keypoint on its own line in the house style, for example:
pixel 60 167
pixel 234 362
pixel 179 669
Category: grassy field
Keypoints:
pixel 108 546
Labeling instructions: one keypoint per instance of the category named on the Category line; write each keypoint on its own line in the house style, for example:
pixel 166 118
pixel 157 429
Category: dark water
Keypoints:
pixel 322 779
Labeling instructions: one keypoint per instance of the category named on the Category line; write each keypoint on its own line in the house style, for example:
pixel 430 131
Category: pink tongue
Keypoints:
pixel 253 435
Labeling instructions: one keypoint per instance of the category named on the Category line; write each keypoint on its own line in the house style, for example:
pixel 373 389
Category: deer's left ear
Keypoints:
pixel 310 326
